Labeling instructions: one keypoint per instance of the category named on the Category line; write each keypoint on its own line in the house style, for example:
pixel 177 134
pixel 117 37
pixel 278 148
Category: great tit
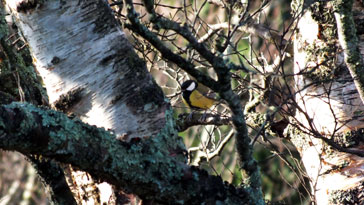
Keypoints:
pixel 193 98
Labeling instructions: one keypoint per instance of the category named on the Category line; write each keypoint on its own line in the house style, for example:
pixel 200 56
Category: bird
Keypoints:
pixel 193 98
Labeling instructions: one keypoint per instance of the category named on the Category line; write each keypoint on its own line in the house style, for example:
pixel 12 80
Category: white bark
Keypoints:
pixel 333 107
pixel 79 50
pixel 75 46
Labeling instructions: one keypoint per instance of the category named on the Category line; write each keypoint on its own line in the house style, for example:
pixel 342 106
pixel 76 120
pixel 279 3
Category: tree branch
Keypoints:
pixel 186 120
pixel 216 61
pixel 223 87
pixel 207 155
pixel 166 53
pixel 144 167
pixel 54 177
pixel 349 42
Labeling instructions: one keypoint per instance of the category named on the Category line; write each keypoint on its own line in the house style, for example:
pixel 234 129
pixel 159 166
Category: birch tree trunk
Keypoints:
pixel 330 112
pixel 90 70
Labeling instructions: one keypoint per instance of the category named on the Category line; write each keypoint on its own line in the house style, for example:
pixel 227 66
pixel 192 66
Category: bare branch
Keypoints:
pixel 202 154
pixel 187 120
pixel 140 29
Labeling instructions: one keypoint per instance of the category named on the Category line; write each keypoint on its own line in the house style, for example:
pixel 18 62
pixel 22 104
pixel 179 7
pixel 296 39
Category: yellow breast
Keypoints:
pixel 200 101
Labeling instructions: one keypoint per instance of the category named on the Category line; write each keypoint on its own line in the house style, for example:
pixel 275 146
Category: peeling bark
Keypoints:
pixel 330 109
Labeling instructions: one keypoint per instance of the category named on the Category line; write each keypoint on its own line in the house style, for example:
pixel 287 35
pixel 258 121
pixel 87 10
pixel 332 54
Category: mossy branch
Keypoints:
pixel 142 167
pixel 349 42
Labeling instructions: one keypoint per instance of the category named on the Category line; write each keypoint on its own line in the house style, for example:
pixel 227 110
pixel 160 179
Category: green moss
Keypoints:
pixel 16 69
pixel 298 138
pixel 324 51
pixel 147 167
pixel 149 155
pixel 257 120
pixel 349 42
pixel 324 55
pixel 349 139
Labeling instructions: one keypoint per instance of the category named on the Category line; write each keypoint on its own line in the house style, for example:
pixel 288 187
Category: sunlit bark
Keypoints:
pixel 330 109
pixel 90 70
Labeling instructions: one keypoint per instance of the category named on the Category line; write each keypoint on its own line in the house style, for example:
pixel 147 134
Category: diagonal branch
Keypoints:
pixel 143 167
pixel 217 62
pixel 166 53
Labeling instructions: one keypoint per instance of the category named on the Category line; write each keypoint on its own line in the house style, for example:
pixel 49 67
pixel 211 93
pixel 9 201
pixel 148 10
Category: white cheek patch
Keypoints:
pixel 191 87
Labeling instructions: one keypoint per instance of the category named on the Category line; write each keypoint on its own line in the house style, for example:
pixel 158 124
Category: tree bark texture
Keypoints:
pixel 88 66
pixel 330 111
pixel 149 168
pixel 91 71
pixel 19 82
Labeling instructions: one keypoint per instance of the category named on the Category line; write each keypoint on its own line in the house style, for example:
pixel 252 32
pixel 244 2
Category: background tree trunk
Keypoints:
pixel 329 115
